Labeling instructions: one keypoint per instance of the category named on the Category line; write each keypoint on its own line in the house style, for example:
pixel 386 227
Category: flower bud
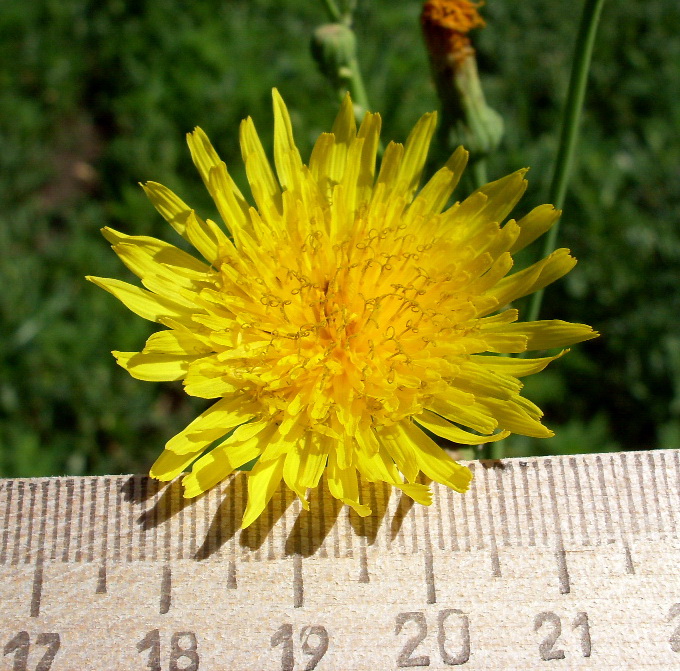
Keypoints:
pixel 466 116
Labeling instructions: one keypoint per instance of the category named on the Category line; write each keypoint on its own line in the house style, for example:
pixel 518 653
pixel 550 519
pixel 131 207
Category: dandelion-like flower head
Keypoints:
pixel 341 315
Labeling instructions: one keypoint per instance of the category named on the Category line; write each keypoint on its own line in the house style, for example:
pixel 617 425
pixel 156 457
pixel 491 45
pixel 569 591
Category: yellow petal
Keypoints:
pixel 533 278
pixel 442 184
pixel 263 184
pixel 212 424
pixel 444 429
pixel 548 333
pixel 170 206
pixel 263 481
pixel 415 153
pixel 155 367
pixel 286 155
pixel 142 302
pixel 513 416
pixel 162 253
pixel 174 342
pixel 207 237
pixel 535 224
pixel 342 484
pixel 434 462
pixel 240 448
pixel 513 365
pixel 169 465
pixel 392 440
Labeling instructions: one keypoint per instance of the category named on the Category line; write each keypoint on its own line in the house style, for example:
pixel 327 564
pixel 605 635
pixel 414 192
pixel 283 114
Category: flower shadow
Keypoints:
pixel 283 528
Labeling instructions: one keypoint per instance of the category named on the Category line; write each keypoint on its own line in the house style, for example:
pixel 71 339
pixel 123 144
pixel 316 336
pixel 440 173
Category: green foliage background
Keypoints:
pixel 97 95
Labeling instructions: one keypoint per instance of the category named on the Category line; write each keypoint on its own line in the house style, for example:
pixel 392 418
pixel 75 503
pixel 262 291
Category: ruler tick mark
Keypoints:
pixel 666 487
pixel 630 567
pixel 579 498
pixel 92 518
pixel 298 585
pixel 429 577
pixel 36 591
pixel 363 562
pixel 562 571
pixel 560 554
pixel 101 580
pixel 655 490
pixel 17 532
pixel 524 467
pixel 29 533
pixel 5 530
pixel 605 499
pixel 641 488
pixel 495 564
pixel 166 589
pixel 231 575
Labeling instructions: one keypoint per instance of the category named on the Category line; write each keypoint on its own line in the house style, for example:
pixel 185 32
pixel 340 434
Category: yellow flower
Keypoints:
pixel 341 316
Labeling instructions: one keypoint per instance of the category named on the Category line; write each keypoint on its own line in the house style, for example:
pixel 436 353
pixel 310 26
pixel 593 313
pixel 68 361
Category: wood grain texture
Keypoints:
pixel 567 562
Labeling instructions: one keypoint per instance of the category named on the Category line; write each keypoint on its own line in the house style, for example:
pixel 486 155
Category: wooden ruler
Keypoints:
pixel 562 562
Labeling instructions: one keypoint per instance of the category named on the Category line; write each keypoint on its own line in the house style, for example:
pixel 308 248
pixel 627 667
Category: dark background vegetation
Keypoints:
pixel 96 95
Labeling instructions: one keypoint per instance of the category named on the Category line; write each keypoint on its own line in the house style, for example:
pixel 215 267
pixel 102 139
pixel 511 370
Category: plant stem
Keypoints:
pixel 583 52
pixel 333 11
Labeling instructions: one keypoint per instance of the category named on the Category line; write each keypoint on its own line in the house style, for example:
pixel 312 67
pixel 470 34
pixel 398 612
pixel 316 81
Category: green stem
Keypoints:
pixel 583 52
pixel 332 9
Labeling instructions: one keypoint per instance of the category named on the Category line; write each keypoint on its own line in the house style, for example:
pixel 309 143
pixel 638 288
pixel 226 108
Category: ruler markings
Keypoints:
pixel 462 502
pixel 641 488
pixel 560 553
pixel 70 486
pixel 92 519
pixel 55 515
pixel 116 520
pixel 515 500
pixel 621 519
pixel 105 520
pixel 439 513
pixel 324 525
pixel 579 499
pixel 431 592
pixel 130 496
pixel 29 531
pixel 540 501
pixel 524 468
pixel 40 523
pixel 81 521
pixel 271 518
pixel 180 502
pixel 655 491
pixel 453 534
pixel 36 589
pixel 44 489
pixel 567 508
pixel 166 590
pixel 605 499
pixel 667 490
pixel 29 526
pixel 19 518
pixel 629 493
pixel 141 487
pixel 164 506
pixel 676 460
pixel 475 504
pixel 429 560
pixel 500 471
pixel 5 532
pixel 298 584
